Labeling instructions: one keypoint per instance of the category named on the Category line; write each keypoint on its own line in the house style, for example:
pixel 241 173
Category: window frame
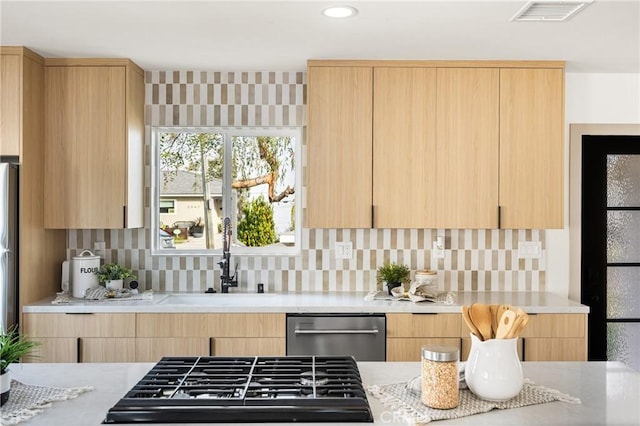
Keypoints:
pixel 228 133
pixel 173 201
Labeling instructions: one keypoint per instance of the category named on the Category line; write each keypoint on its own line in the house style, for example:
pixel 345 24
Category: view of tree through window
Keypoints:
pixel 206 176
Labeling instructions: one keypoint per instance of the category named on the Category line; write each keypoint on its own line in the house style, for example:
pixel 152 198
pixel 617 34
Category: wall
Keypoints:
pixel 474 259
pixel 589 98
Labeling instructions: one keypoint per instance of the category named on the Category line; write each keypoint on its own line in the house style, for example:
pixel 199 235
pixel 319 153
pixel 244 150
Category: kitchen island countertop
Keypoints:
pixel 531 302
pixel 609 391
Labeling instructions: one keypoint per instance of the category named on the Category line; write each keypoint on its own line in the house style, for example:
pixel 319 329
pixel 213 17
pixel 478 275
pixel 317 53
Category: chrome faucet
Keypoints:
pixel 226 280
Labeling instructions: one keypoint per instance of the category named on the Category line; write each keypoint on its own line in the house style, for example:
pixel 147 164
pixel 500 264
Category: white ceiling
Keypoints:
pixel 282 35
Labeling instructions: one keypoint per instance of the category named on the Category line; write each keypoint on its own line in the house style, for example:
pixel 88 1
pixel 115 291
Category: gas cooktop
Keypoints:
pixel 246 389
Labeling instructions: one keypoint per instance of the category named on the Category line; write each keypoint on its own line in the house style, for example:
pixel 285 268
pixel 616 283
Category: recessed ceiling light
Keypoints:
pixel 340 11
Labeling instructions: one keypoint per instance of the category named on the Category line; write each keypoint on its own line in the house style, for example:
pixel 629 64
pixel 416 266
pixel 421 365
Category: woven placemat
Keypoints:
pixel 407 402
pixel 26 401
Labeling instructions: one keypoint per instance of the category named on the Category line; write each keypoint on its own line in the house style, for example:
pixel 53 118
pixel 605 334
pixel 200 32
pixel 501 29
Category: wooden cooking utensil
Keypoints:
pixel 481 317
pixel 470 324
pixel 494 319
pixel 501 310
pixel 521 322
pixel 506 323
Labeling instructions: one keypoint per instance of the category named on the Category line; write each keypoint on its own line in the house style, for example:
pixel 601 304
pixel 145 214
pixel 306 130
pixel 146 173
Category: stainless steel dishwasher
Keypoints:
pixel 361 335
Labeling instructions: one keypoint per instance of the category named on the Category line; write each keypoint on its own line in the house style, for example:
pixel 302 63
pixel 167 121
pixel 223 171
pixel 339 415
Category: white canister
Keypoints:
pixel 83 273
pixel 426 277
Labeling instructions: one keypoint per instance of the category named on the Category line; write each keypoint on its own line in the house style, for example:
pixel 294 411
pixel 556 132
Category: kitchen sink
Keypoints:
pixel 219 299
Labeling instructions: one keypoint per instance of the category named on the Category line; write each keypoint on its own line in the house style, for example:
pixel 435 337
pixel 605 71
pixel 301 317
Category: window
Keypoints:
pixel 202 175
pixel 167 206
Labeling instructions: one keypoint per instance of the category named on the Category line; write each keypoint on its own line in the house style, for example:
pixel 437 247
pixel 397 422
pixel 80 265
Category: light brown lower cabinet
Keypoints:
pixel 242 346
pixel 101 349
pixel 204 334
pixel 84 349
pixel 548 337
pixel 407 333
pixel 121 337
pixel 556 337
pixel 55 349
pixel 148 337
pixel 86 337
pixel 151 349
pixel 409 348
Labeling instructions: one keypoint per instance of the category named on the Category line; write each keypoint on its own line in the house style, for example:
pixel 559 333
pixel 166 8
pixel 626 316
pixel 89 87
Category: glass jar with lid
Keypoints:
pixel 440 377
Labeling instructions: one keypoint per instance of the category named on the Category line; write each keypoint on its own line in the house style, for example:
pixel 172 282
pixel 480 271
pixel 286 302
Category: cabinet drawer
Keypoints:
pixel 238 346
pixel 99 349
pixel 410 349
pixel 54 350
pixel 151 350
pixel 423 325
pixel 550 349
pixel 79 325
pixel 556 325
pixel 210 325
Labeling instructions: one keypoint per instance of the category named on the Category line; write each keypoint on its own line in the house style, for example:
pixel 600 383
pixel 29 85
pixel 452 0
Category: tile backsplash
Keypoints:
pixel 483 260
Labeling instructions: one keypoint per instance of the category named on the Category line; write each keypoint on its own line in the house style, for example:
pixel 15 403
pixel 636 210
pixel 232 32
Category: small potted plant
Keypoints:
pixel 198 228
pixel 111 276
pixel 394 275
pixel 13 346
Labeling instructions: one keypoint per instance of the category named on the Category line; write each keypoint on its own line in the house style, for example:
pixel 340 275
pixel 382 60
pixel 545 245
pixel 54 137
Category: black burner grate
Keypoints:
pixel 246 389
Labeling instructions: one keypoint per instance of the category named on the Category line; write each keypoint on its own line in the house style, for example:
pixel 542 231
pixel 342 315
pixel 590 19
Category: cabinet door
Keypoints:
pixel 339 147
pixel 79 325
pixel 10 104
pixel 211 325
pixel 239 346
pixel 410 349
pixel 54 350
pixel 404 147
pixel 85 149
pixel 531 148
pixel 100 349
pixel 152 349
pixel 555 349
pixel 423 325
pixel 467 148
pixel 556 337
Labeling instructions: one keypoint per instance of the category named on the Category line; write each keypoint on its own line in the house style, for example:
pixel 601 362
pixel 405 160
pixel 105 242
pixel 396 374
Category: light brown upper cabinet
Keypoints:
pixel 531 148
pixel 404 146
pixel 10 101
pixel 467 148
pixel 455 144
pixel 22 136
pixel 94 122
pixel 339 147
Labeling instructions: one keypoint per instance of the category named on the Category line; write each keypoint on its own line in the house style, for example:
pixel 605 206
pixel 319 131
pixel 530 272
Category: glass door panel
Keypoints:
pixel 623 259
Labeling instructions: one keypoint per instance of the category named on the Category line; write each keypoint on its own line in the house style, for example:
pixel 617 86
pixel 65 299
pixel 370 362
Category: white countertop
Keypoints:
pixel 609 392
pixel 531 302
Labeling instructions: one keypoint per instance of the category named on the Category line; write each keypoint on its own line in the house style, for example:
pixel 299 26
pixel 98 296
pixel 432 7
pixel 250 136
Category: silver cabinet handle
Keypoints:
pixel 347 331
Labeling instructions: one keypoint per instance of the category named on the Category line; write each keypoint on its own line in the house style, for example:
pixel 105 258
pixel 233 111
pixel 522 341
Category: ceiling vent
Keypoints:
pixel 552 11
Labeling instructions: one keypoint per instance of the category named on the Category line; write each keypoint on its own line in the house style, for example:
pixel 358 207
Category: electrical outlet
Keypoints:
pixel 529 249
pixel 344 250
pixel 437 250
pixel 99 247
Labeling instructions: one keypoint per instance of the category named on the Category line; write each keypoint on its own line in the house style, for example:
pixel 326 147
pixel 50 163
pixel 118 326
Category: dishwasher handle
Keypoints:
pixel 338 331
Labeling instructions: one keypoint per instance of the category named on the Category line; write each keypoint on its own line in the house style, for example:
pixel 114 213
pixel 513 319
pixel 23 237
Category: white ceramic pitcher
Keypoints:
pixel 493 370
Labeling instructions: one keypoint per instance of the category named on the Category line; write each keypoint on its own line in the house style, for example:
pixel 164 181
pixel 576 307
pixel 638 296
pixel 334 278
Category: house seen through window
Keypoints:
pixel 204 175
